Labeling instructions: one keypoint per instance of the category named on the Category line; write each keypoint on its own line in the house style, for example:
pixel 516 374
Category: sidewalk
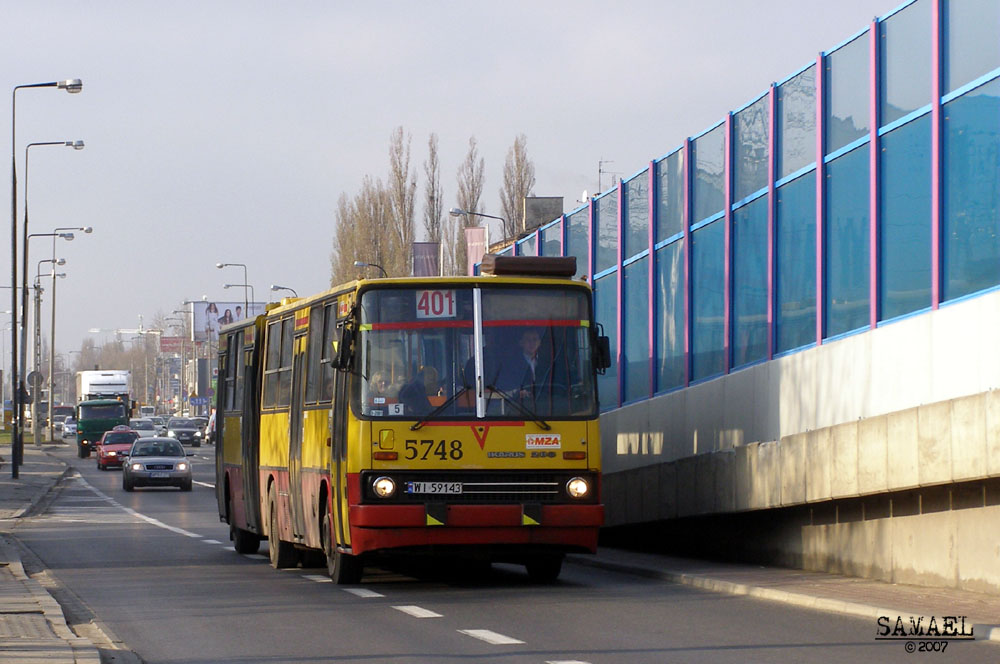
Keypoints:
pixel 33 627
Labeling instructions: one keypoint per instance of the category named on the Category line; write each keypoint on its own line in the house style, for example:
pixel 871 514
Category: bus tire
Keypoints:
pixel 82 451
pixel 244 541
pixel 282 554
pixel 343 568
pixel 544 569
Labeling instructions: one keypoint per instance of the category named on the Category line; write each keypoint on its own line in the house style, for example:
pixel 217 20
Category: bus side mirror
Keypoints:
pixel 344 348
pixel 603 359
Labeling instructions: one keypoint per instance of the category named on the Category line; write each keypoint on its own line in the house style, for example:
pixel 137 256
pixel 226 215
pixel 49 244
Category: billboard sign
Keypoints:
pixel 209 317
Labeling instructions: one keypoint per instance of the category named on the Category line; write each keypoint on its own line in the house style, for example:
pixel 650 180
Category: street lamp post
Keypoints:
pixel 72 85
pixel 180 377
pixel 364 264
pixel 246 305
pixel 276 287
pixel 76 145
pixel 37 354
pixel 65 233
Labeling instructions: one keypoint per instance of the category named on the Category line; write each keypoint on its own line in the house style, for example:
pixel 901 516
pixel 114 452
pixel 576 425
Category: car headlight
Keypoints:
pixel 171 434
pixel 182 466
pixel 197 434
pixel 577 487
pixel 136 466
pixel 112 454
pixel 384 487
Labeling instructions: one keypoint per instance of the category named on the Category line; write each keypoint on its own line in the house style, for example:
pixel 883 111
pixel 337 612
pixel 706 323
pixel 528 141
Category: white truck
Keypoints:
pixel 107 384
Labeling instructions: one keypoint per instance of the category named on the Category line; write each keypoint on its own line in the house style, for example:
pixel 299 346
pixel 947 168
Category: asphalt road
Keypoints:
pixel 156 570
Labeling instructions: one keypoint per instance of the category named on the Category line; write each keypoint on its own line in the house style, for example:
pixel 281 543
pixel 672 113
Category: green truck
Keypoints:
pixel 94 418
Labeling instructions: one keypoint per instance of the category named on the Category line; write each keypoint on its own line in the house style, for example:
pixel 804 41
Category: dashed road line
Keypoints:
pixel 362 592
pixel 418 612
pixel 493 638
pixel 564 661
pixel 211 541
pixel 318 578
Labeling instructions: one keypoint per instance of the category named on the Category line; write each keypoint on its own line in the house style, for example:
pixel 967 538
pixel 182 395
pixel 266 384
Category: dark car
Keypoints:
pixel 184 430
pixel 157 462
pixel 114 445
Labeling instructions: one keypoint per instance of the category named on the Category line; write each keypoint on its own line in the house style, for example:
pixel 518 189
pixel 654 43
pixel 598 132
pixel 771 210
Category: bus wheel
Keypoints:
pixel 82 452
pixel 244 541
pixel 343 568
pixel 544 569
pixel 282 554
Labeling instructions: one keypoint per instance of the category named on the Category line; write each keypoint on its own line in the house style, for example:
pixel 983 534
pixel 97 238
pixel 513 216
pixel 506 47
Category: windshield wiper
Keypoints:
pixel 437 411
pixel 524 410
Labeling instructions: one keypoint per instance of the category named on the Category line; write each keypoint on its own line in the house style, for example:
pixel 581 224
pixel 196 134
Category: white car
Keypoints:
pixel 144 426
pixel 69 428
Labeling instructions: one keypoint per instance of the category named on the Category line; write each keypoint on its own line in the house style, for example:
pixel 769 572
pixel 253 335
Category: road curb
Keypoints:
pixel 987 632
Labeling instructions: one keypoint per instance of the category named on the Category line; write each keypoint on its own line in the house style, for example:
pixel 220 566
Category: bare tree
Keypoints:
pixel 402 190
pixel 471 180
pixel 518 183
pixel 433 192
pixel 360 224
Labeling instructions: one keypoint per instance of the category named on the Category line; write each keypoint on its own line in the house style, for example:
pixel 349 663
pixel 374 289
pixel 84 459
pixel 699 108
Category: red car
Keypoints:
pixel 114 445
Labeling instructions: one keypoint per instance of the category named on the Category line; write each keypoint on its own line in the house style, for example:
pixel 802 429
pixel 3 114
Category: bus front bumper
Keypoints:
pixel 564 527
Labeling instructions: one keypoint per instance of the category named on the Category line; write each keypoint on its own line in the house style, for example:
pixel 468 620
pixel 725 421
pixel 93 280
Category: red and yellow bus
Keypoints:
pixel 424 415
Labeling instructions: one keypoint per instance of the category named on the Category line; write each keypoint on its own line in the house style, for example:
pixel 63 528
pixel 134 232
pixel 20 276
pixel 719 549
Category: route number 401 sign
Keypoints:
pixel 436 304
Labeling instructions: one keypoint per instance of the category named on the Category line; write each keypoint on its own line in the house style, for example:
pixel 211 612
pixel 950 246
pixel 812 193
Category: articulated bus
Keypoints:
pixel 416 416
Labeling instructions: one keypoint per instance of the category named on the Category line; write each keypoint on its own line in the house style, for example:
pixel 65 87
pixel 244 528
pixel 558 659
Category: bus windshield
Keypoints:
pixel 417 353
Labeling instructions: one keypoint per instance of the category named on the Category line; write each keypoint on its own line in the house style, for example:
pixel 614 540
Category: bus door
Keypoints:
pixel 248 397
pixel 338 434
pixel 295 484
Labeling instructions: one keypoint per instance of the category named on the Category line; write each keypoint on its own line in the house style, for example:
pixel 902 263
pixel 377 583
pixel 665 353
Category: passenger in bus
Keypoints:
pixel 378 385
pixel 413 394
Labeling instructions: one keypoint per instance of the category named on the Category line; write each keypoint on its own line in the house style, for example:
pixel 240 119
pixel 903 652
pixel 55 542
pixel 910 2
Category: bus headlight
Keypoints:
pixel 384 487
pixel 578 487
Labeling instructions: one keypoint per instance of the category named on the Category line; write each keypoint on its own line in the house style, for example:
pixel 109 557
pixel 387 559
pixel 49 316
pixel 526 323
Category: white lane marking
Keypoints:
pixel 362 592
pixel 490 637
pixel 564 661
pixel 318 578
pixel 208 541
pixel 255 556
pixel 210 486
pixel 138 515
pixel 417 612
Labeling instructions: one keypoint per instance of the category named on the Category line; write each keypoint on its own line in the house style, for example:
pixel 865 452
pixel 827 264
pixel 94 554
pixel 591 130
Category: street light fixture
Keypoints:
pixel 276 287
pixel 457 212
pixel 364 264
pixel 253 298
pixel 246 304
pixel 71 85
pixel 65 232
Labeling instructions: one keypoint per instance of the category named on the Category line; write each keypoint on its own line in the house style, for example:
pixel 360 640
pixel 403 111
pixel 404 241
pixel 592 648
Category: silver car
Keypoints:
pixel 157 462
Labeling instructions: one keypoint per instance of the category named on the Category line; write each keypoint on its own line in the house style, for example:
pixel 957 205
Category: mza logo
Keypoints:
pixel 538 441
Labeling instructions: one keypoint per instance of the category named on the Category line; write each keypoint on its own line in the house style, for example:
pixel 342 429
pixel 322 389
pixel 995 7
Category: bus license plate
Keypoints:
pixel 434 487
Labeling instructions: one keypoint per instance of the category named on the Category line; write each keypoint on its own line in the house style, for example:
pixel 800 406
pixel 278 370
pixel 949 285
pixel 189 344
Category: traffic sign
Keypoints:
pixel 198 401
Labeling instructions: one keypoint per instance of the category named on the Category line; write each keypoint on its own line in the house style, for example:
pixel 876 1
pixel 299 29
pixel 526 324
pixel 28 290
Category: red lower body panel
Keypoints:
pixel 567 527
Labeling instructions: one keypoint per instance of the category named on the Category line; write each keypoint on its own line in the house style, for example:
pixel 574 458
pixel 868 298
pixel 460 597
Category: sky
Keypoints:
pixel 225 131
